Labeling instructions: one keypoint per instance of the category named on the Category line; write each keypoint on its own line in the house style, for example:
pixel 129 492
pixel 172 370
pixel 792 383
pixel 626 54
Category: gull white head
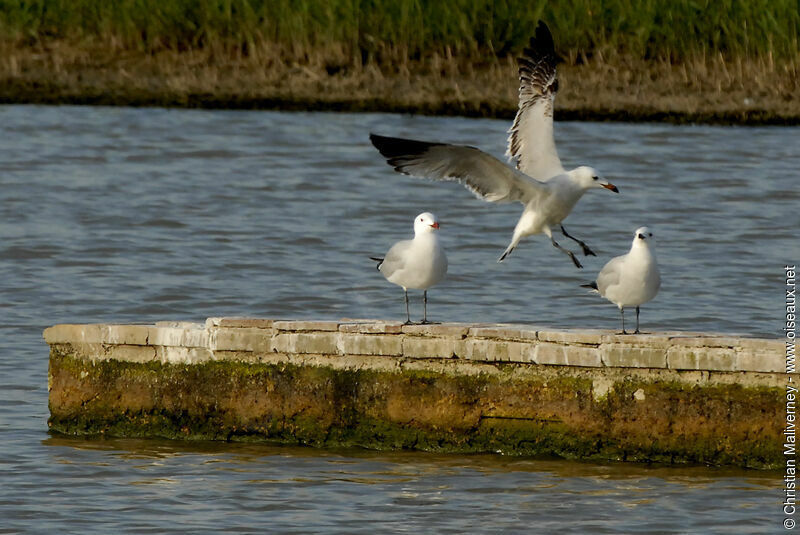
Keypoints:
pixel 425 222
pixel 588 178
pixel 642 236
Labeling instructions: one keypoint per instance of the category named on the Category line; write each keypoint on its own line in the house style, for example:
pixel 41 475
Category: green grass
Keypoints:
pixel 392 30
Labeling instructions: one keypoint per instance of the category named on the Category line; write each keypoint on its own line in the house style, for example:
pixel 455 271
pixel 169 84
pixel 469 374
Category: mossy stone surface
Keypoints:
pixel 516 409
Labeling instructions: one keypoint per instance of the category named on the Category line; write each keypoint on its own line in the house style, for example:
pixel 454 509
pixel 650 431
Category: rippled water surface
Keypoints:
pixel 142 215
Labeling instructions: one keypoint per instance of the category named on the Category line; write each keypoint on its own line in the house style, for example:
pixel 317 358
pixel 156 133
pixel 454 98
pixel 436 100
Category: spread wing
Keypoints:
pixel 530 139
pixel 486 176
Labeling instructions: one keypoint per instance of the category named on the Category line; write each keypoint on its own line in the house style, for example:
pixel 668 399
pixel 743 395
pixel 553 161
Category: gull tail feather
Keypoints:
pixel 378 260
pixel 592 286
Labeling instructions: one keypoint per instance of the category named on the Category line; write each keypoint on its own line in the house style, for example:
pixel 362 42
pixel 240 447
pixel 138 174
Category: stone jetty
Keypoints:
pixel 666 397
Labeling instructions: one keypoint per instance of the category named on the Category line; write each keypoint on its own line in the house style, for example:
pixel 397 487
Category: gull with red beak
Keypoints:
pixel 547 191
pixel 632 279
pixel 419 263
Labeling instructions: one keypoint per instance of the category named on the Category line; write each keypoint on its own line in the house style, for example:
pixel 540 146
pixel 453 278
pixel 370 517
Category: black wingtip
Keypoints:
pixel 394 147
pixel 543 35
pixel 541 44
pixel 591 285
pixel 378 260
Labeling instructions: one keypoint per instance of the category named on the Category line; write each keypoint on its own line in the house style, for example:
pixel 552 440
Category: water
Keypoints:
pixel 142 215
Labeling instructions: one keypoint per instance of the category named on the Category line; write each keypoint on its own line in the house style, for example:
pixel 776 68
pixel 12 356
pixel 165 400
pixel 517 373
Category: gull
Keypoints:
pixel 419 263
pixel 631 279
pixel 547 191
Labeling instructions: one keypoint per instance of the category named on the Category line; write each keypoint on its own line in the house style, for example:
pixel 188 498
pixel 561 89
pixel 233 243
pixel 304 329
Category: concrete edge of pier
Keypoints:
pixel 676 397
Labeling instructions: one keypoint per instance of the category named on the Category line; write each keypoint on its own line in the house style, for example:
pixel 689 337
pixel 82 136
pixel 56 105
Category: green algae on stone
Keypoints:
pixel 516 409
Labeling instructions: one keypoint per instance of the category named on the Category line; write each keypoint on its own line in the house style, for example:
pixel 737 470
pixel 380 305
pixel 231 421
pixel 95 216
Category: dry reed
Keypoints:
pixel 621 60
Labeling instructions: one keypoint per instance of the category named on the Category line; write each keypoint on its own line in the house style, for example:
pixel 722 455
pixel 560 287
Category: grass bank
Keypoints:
pixel 684 61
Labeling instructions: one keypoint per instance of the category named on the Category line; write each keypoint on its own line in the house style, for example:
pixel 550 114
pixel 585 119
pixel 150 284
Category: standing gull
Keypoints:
pixel 547 191
pixel 631 279
pixel 419 263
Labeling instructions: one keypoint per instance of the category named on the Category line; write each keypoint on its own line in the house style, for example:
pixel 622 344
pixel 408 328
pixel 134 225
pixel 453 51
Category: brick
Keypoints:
pixel 370 344
pixel 374 327
pixel 717 340
pixel 432 347
pixel 505 332
pixel 183 355
pixel 324 343
pixel 90 351
pixel 760 360
pixel 128 334
pixel 563 355
pixel 705 341
pixel 133 353
pixel 178 337
pixel 180 324
pixel 89 334
pixel 456 330
pixel 660 340
pixel 586 336
pixel 601 386
pixel 243 323
pixel 777 346
pixel 701 358
pixel 302 325
pixel 630 356
pixel 254 340
pixel 497 350
pixel 70 333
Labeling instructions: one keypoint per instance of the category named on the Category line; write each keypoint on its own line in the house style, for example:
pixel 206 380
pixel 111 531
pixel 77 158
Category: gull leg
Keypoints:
pixel 586 250
pixel 425 310
pixel 637 321
pixel 622 313
pixel 566 252
pixel 549 234
pixel 408 316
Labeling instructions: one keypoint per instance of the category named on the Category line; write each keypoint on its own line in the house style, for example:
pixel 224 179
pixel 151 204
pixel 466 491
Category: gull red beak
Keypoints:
pixel 612 187
pixel 435 224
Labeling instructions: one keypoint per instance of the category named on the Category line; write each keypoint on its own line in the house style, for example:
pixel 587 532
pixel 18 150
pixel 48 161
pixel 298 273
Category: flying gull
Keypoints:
pixel 547 191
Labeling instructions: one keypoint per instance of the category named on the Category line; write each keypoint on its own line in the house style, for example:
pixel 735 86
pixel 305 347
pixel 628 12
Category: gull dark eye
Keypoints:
pixel 594 178
pixel 650 235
